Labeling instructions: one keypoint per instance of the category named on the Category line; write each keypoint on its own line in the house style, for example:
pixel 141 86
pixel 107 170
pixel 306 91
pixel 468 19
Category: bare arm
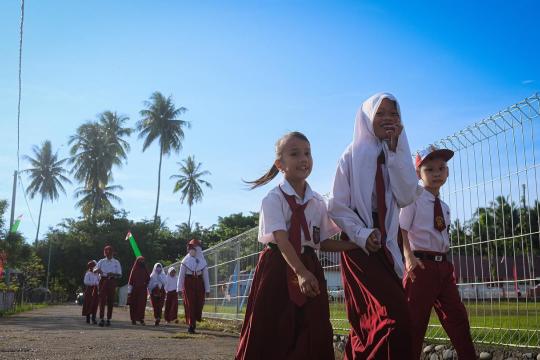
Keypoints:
pixel 411 262
pixel 308 283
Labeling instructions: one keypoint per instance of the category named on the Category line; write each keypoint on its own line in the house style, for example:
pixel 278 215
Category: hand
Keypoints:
pixel 393 131
pixel 309 285
pixel 411 262
pixel 372 243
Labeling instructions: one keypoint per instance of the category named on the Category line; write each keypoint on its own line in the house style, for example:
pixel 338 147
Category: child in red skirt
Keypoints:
pixel 375 177
pixel 90 298
pixel 430 280
pixel 193 283
pixel 171 297
pixel 137 287
pixel 287 315
pixel 156 289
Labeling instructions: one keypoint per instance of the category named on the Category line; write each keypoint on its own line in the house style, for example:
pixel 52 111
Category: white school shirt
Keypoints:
pixel 171 283
pixel 276 215
pixel 189 266
pixel 91 279
pixel 417 220
pixel 157 280
pixel 397 189
pixel 109 266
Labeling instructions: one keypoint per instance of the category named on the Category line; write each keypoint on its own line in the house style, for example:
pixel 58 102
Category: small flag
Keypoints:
pixel 133 244
pixel 16 224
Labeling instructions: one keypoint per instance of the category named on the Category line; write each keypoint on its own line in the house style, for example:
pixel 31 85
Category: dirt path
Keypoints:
pixel 60 333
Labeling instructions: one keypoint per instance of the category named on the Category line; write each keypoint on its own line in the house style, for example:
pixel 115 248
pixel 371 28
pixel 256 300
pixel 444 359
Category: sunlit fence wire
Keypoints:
pixel 493 196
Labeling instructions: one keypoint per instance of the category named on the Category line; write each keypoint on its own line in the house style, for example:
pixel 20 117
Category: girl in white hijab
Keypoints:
pixel 193 283
pixel 156 288
pixel 375 177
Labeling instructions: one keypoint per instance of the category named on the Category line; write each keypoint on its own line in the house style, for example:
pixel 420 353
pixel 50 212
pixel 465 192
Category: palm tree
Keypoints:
pixel 46 176
pixel 189 183
pixel 96 199
pixel 160 122
pixel 96 148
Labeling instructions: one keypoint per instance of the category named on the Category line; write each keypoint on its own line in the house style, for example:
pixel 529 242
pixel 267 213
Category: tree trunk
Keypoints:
pixel 189 219
pixel 159 185
pixel 39 221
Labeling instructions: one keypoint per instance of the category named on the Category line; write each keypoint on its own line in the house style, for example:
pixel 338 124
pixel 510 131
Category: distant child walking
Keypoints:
pixel 171 297
pixel 109 270
pixel 137 290
pixel 375 177
pixel 430 280
pixel 90 298
pixel 193 283
pixel 156 289
pixel 287 315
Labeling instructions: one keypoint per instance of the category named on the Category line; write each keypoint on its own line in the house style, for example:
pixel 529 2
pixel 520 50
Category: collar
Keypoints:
pixel 428 195
pixel 289 190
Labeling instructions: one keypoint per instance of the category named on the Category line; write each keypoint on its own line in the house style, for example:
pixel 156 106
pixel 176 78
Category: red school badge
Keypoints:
pixel 316 235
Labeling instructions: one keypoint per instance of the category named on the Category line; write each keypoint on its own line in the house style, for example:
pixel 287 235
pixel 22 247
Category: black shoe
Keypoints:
pixel 191 330
pixel 101 323
pixel 156 323
pixel 94 321
pixel 88 319
pixel 133 322
pixel 142 323
pixel 108 323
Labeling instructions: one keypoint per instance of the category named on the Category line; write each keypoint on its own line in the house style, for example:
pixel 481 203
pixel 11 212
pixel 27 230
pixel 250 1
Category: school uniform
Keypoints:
pixel 193 283
pixel 137 288
pixel 370 185
pixel 281 322
pixel 107 284
pixel 156 289
pixel 91 300
pixel 434 286
pixel 171 297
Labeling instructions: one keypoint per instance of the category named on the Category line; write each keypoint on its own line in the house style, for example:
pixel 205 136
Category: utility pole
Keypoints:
pixel 14 194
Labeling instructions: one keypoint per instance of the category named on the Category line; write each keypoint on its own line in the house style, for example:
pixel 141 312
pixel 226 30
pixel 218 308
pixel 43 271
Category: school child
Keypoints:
pixel 193 283
pixel 430 280
pixel 171 297
pixel 109 270
pixel 137 287
pixel 90 303
pixel 287 314
pixel 156 289
pixel 374 178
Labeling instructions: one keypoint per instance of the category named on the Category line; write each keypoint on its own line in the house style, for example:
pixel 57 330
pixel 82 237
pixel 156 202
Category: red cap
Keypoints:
pixel 193 243
pixel 432 152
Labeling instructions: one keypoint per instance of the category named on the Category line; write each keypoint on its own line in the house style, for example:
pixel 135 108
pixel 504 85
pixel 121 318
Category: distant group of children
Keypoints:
pixel 163 289
pixel 394 242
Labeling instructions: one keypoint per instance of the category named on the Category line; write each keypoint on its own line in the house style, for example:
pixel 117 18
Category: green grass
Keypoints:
pixel 505 322
pixel 22 308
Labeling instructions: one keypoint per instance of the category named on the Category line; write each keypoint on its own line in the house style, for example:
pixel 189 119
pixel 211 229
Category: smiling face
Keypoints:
pixel 295 159
pixel 385 119
pixel 433 173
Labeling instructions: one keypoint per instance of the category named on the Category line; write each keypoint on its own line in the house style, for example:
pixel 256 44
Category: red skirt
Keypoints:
pixel 193 296
pixel 137 303
pixel 171 306
pixel 274 327
pixel 157 298
pixel 90 301
pixel 376 308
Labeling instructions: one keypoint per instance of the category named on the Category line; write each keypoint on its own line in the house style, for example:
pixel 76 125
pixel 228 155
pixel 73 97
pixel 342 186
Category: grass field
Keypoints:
pixel 492 322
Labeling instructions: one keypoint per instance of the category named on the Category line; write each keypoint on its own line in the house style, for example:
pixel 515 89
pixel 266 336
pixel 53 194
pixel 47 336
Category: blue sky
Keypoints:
pixel 248 71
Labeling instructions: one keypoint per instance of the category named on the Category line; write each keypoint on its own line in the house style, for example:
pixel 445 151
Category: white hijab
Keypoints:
pixel 366 147
pixel 157 279
pixel 195 263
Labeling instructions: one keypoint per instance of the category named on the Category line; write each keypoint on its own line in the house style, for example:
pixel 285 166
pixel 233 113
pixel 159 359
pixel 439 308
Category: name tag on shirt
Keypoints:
pixel 316 235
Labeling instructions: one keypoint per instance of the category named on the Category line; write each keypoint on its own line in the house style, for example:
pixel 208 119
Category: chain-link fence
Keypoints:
pixel 492 192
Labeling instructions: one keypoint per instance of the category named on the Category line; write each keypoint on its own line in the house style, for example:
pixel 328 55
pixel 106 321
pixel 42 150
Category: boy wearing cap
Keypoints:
pixel 429 279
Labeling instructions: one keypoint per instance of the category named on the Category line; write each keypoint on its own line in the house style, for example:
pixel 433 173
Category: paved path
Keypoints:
pixel 60 332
